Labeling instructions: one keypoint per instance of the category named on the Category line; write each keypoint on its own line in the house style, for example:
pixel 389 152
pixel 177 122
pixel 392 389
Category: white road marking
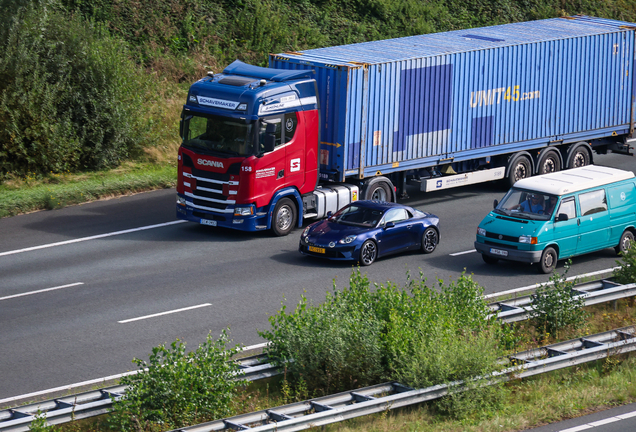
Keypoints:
pixel 94 381
pixel 17 251
pixel 462 253
pixel 600 422
pixel 41 291
pixel 165 313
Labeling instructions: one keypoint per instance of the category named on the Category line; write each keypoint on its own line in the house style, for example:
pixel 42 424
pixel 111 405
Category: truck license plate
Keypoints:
pixel 316 249
pixel 498 252
pixel 208 222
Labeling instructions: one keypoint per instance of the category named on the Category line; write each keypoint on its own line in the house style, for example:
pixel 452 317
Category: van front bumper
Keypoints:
pixel 504 253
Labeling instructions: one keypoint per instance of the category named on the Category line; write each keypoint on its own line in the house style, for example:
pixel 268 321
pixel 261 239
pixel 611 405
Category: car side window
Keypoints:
pixel 395 215
pixel 567 207
pixel 592 202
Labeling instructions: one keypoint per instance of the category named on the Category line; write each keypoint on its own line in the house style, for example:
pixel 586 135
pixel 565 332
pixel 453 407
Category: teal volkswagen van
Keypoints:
pixel 554 216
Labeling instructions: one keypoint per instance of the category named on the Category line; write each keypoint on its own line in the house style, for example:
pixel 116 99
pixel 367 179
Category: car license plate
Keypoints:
pixel 208 222
pixel 316 249
pixel 498 252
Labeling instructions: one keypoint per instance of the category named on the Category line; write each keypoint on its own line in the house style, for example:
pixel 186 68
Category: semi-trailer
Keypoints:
pixel 265 148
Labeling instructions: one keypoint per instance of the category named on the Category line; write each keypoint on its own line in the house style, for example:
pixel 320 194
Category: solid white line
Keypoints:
pixel 537 285
pixel 17 251
pixel 41 291
pixel 627 415
pixel 600 422
pixel 94 381
pixel 165 313
pixel 462 253
pixel 604 421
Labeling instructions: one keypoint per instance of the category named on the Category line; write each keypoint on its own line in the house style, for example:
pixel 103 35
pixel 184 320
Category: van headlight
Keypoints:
pixel 244 211
pixel 527 239
pixel 481 232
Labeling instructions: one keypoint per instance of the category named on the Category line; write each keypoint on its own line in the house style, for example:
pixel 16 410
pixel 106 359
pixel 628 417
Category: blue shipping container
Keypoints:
pixel 418 101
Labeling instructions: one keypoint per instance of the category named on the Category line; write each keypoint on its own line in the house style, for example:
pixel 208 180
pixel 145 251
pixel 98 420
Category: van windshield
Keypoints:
pixel 526 204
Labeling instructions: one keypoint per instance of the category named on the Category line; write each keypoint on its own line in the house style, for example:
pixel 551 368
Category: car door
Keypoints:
pixel 398 237
pixel 566 232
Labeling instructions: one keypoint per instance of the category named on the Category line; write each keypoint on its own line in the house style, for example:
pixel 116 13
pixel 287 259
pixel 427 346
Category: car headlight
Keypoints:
pixel 243 211
pixel 306 232
pixel 527 239
pixel 348 239
pixel 481 232
pixel 181 201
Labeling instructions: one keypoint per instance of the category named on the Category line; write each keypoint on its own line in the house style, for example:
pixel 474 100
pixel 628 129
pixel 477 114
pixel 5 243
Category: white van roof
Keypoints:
pixel 573 180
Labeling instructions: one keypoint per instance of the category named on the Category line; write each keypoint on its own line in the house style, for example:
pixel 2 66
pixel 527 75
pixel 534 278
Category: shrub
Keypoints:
pixel 176 389
pixel 626 274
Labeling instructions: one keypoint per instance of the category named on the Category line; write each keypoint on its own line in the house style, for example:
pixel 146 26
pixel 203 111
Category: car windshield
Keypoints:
pixel 525 204
pixel 218 134
pixel 358 215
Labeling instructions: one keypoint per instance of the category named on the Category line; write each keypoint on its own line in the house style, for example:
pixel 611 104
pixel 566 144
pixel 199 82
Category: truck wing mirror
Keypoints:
pixel 495 204
pixel 269 143
pixel 562 217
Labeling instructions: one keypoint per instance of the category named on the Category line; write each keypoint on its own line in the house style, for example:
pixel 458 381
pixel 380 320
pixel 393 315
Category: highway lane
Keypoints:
pixel 219 277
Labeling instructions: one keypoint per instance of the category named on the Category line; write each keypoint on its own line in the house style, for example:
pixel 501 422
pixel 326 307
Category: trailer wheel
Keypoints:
pixel 548 260
pixel 520 168
pixel 579 156
pixel 549 162
pixel 625 242
pixel 284 217
pixel 378 191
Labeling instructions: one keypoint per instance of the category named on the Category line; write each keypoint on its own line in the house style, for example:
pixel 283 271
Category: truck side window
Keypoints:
pixel 592 202
pixel 567 207
pixel 291 121
pixel 278 133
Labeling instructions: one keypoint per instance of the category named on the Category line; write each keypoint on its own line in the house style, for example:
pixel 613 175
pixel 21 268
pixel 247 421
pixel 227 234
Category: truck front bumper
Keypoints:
pixel 225 220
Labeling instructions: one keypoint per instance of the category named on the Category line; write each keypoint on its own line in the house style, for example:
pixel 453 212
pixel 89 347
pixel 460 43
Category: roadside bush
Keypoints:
pixel 419 336
pixel 555 307
pixel 70 98
pixel 626 274
pixel 175 389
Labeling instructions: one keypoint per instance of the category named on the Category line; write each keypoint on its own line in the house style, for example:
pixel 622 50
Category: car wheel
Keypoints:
pixel 284 217
pixel 626 241
pixel 548 260
pixel 368 253
pixel 430 239
pixel 489 260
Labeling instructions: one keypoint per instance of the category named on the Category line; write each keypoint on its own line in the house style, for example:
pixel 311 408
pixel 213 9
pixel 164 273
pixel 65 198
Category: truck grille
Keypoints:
pixel 207 188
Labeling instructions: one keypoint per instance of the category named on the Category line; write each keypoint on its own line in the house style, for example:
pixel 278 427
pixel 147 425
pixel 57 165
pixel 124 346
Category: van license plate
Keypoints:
pixel 316 249
pixel 498 252
pixel 208 222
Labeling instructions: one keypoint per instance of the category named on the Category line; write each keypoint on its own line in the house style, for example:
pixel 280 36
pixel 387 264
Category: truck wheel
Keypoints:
pixel 626 241
pixel 579 157
pixel 548 260
pixel 379 191
pixel 521 168
pixel 549 162
pixel 489 260
pixel 430 239
pixel 368 253
pixel 284 217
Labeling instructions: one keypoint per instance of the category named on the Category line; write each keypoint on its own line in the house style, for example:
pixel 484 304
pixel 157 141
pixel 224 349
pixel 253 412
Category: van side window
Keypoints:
pixel 567 207
pixel 592 202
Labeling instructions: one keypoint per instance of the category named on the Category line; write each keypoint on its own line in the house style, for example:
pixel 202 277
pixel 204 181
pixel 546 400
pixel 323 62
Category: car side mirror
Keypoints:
pixel 389 225
pixel 329 214
pixel 562 217
pixel 495 204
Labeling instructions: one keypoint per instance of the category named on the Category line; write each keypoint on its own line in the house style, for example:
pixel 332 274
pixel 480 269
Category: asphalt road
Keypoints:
pixel 113 291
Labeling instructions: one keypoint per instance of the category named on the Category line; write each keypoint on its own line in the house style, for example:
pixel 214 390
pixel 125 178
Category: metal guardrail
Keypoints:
pixel 383 397
pixel 92 403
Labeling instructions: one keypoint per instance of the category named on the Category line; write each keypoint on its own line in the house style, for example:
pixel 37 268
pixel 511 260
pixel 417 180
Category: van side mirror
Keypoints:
pixel 495 204
pixel 562 217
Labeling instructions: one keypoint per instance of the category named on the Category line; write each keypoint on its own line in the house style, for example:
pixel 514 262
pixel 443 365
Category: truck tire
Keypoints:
pixel 430 239
pixel 549 162
pixel 520 168
pixel 579 156
pixel 626 241
pixel 379 191
pixel 548 260
pixel 284 217
pixel 368 253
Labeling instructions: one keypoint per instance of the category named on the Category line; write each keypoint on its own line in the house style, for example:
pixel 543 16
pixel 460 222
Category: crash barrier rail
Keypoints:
pixel 83 405
pixel 382 397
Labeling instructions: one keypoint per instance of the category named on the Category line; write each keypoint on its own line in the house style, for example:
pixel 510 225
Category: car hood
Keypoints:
pixel 510 226
pixel 326 231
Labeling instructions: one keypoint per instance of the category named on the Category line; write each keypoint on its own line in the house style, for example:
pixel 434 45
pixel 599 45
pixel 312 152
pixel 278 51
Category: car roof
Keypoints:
pixel 380 205
pixel 573 180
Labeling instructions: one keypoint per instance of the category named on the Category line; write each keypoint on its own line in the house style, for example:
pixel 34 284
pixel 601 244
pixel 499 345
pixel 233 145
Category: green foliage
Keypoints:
pixel 419 336
pixel 69 97
pixel 555 307
pixel 178 388
pixel 39 423
pixel 626 274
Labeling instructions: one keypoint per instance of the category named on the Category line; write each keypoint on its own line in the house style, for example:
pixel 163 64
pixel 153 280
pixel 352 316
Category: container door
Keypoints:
pixel 595 224
pixel 567 232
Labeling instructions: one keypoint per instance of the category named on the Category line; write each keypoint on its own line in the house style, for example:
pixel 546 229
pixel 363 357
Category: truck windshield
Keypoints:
pixel 218 134
pixel 525 204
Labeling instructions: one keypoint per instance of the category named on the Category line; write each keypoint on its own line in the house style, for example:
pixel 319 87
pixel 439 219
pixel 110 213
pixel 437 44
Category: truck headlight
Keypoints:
pixel 481 232
pixel 348 239
pixel 243 211
pixel 181 201
pixel 527 239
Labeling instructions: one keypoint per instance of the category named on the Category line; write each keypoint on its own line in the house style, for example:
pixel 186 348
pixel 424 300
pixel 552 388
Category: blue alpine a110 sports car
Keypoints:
pixel 366 230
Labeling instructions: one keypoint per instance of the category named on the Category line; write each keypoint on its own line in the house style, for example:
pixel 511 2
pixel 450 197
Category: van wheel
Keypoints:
pixel 548 260
pixel 284 217
pixel 521 168
pixel 489 260
pixel 368 253
pixel 626 241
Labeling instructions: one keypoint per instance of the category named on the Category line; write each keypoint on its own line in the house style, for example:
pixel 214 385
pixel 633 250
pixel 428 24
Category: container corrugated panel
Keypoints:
pixel 416 101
